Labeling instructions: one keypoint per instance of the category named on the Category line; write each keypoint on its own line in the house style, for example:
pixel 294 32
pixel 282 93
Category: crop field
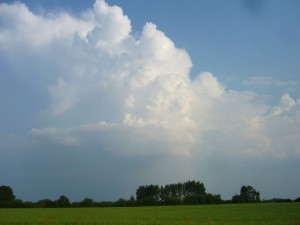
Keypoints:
pixel 233 214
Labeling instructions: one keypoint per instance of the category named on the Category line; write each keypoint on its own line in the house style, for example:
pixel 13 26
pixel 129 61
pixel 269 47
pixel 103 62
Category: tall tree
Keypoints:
pixel 148 195
pixel 172 194
pixel 63 202
pixel 247 194
pixel 6 193
pixel 148 192
pixel 194 192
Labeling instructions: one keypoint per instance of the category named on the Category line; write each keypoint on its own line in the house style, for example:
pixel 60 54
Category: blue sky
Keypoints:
pixel 94 96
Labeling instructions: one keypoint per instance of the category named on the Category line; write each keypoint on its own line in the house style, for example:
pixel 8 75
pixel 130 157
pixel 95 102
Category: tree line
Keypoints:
pixel 187 193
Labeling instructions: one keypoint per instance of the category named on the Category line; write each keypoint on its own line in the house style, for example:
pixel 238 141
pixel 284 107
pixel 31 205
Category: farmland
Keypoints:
pixel 233 214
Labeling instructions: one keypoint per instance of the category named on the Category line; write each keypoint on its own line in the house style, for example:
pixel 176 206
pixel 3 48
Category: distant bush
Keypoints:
pixel 297 199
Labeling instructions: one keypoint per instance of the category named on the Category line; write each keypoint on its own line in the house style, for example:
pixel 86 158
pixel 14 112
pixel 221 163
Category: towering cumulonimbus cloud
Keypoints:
pixel 104 88
pixel 96 70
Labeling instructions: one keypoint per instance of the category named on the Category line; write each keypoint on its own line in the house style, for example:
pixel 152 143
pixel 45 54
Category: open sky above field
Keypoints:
pixel 97 98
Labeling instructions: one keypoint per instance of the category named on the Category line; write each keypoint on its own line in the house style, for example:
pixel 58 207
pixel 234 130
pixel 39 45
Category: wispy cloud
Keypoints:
pixel 266 81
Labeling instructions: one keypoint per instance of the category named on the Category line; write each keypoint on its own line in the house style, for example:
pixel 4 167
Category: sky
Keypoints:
pixel 100 97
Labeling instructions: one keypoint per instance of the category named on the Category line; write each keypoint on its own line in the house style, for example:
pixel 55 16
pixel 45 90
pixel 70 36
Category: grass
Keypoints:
pixel 233 214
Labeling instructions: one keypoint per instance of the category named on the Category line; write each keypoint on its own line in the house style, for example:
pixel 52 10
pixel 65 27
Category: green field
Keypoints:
pixel 233 214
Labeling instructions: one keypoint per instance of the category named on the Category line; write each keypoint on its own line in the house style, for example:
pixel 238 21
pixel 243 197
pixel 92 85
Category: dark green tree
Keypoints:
pixel 297 199
pixel 148 192
pixel 6 193
pixel 121 203
pixel 87 202
pixel 193 192
pixel 247 195
pixel 131 201
pixel 172 194
pixel 46 203
pixel 212 199
pixel 63 202
pixel 148 195
pixel 236 199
